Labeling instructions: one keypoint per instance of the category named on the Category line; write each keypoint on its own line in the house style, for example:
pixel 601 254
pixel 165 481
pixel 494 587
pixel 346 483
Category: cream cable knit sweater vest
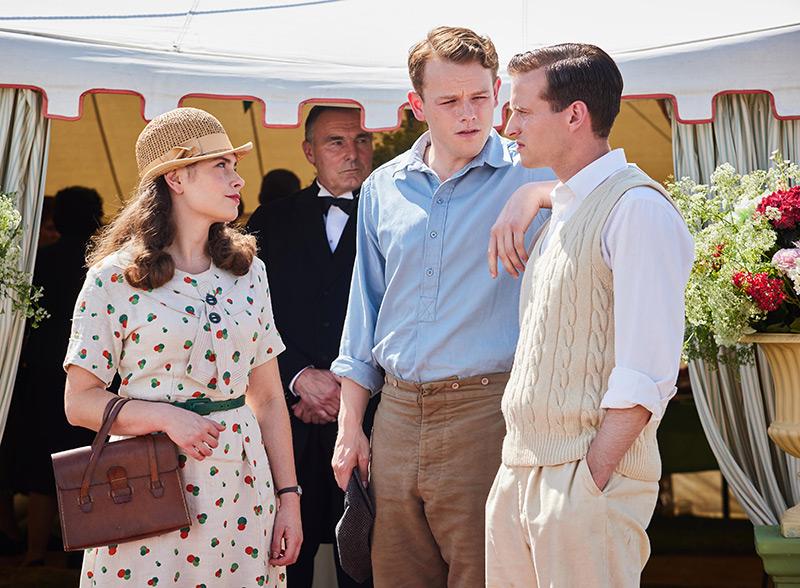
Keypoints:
pixel 565 352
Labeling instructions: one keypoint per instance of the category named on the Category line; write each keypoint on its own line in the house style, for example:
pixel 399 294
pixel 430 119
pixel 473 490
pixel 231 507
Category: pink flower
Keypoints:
pixel 786 260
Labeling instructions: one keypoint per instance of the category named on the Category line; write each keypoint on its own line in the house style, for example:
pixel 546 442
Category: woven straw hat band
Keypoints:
pixel 207 145
pixel 181 137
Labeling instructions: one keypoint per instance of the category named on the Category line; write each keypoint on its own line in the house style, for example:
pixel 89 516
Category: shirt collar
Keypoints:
pixel 579 186
pixel 323 191
pixel 495 152
pixel 586 180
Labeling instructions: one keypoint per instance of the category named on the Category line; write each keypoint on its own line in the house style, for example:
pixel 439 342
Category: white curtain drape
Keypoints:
pixel 736 406
pixel 24 141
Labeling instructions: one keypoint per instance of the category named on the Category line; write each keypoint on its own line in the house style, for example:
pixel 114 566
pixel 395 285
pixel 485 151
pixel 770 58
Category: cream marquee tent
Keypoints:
pixel 285 52
pixel 710 60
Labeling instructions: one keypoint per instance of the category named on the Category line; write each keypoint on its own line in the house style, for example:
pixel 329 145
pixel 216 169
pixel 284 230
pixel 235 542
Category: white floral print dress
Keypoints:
pixel 199 335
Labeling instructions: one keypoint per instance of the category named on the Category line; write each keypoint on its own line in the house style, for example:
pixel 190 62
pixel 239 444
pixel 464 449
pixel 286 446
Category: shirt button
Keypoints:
pixel 433 234
pixel 214 317
pixel 484 381
pixel 439 201
pixel 326 324
pixel 211 299
pixel 429 272
pixel 455 386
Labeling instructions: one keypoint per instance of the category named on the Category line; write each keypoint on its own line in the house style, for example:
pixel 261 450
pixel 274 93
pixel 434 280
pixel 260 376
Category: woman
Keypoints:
pixel 178 304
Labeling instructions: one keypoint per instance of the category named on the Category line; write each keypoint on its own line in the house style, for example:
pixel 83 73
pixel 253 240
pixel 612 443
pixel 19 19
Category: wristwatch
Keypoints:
pixel 296 489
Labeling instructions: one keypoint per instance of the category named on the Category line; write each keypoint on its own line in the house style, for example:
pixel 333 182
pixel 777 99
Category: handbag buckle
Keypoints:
pixel 157 489
pixel 85 502
pixel 120 489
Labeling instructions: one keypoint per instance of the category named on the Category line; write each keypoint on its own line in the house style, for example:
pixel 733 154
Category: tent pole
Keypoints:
pixel 256 140
pixel 107 149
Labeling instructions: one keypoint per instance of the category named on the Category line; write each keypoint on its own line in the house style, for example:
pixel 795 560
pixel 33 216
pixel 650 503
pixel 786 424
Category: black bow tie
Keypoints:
pixel 344 204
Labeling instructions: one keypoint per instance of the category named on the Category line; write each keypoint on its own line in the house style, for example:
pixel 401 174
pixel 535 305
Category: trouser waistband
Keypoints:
pixel 454 383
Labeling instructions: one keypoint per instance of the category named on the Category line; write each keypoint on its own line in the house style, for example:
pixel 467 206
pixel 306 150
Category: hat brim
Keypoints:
pixel 168 166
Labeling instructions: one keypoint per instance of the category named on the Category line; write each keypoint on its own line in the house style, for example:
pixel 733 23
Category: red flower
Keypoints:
pixel 766 292
pixel 787 202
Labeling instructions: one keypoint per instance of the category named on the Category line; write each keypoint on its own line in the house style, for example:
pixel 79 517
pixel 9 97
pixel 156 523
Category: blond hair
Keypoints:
pixel 455 44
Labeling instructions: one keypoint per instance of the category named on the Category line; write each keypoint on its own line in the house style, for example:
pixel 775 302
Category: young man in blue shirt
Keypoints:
pixel 427 326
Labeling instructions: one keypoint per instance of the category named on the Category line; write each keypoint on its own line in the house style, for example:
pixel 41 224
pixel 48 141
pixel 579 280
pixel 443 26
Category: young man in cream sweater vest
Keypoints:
pixel 601 326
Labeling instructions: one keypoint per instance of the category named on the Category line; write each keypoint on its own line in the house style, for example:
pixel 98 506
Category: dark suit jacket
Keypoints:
pixel 309 287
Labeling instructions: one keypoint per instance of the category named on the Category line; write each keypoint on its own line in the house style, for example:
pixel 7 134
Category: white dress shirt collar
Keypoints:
pixel 578 187
pixel 323 191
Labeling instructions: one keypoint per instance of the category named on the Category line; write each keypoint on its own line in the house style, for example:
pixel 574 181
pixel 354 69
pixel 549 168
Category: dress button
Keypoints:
pixel 455 386
pixel 211 299
pixel 484 381
pixel 214 317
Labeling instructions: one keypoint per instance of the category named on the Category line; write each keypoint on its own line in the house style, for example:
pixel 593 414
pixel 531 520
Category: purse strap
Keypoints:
pixel 109 416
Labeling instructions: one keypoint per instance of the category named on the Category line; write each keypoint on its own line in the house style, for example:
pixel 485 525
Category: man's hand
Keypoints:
pixel 320 393
pixel 507 237
pixel 615 436
pixel 303 411
pixel 352 447
pixel 351 451
pixel 600 470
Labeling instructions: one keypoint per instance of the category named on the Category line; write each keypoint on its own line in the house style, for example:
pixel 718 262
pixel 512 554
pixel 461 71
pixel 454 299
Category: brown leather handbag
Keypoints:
pixel 110 493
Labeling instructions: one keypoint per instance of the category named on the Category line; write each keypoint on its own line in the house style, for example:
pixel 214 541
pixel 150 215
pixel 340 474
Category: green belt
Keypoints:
pixel 204 406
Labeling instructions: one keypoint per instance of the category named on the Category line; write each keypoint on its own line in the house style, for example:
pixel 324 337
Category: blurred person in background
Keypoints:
pixel 37 425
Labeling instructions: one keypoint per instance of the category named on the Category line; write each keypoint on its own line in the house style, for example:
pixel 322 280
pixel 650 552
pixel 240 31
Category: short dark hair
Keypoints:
pixel 316 112
pixel 277 184
pixel 77 211
pixel 577 71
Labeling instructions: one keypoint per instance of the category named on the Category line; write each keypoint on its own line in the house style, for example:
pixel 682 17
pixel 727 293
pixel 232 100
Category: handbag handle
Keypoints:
pixel 109 416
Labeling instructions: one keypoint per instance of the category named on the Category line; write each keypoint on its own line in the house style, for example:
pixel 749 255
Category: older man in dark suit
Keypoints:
pixel 308 242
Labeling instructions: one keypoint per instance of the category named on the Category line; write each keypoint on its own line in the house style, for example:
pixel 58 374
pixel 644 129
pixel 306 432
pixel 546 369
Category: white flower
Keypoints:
pixel 772 213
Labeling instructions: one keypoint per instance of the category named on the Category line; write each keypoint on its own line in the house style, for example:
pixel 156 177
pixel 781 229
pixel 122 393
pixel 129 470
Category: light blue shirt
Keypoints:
pixel 423 306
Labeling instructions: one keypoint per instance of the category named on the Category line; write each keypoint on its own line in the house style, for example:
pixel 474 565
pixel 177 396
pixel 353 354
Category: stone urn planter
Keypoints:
pixel 782 351
pixel 779 547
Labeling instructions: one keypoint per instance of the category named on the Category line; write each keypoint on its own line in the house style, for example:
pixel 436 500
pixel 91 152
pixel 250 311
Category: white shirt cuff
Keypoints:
pixel 628 388
pixel 297 375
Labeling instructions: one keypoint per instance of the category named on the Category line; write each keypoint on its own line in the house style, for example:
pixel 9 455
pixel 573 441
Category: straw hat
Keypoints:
pixel 179 138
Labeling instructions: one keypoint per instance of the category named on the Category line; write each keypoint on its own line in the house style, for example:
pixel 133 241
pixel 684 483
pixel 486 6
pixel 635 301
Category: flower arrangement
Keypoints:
pixel 746 275
pixel 14 283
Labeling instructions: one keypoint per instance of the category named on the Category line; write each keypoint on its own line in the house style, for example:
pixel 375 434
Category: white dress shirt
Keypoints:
pixel 335 221
pixel 650 252
pixel 336 218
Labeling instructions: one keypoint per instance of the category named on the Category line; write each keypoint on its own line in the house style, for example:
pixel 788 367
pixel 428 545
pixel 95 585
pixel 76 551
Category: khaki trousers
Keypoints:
pixel 552 527
pixel 435 450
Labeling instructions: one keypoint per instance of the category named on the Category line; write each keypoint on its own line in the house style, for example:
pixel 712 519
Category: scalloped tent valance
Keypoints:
pixel 289 52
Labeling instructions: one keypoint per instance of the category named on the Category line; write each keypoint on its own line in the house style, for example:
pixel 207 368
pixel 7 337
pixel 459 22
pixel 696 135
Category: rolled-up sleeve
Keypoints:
pixel 367 289
pixel 650 252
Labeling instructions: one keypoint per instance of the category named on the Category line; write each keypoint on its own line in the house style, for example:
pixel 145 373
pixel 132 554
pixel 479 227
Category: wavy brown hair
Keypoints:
pixel 146 226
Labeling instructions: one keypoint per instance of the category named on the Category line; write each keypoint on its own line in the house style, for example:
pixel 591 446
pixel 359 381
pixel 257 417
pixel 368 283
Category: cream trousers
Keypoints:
pixel 553 527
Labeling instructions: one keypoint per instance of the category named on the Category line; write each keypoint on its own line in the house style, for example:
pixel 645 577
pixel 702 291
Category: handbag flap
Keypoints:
pixel 130 454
